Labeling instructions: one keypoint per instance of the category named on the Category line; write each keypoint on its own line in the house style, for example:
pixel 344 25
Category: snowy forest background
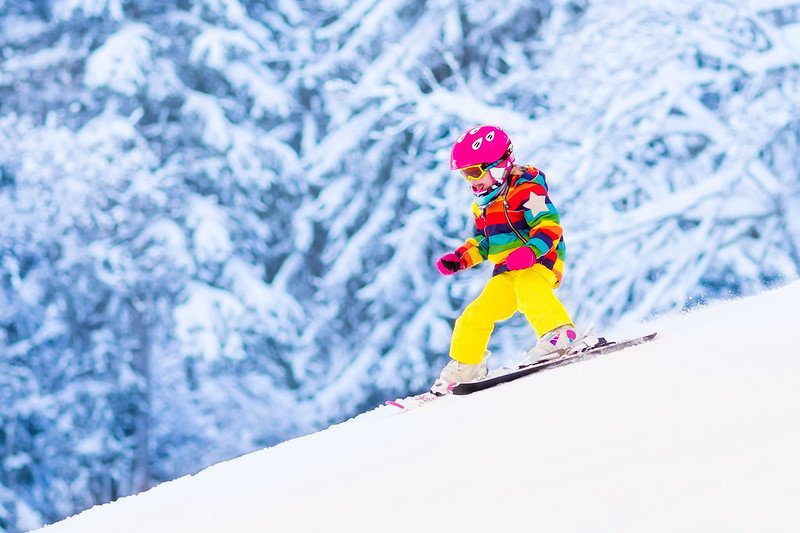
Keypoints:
pixel 218 218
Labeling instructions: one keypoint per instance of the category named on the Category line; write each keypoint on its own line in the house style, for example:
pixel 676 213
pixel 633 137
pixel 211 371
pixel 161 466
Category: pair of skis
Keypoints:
pixel 506 374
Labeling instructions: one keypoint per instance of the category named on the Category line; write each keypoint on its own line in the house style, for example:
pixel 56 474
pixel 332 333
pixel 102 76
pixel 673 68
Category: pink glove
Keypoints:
pixel 520 259
pixel 449 264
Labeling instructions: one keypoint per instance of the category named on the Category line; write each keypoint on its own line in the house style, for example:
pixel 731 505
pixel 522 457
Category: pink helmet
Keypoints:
pixel 488 146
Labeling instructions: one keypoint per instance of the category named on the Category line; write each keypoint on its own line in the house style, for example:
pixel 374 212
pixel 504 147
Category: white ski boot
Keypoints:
pixel 552 344
pixel 456 372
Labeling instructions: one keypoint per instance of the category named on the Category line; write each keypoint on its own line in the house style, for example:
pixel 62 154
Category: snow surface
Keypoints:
pixel 697 431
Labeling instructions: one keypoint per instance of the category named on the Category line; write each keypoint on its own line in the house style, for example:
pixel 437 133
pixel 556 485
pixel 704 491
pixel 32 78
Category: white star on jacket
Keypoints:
pixel 536 203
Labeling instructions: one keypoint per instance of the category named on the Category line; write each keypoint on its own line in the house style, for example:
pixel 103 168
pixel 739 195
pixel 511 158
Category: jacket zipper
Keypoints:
pixel 508 219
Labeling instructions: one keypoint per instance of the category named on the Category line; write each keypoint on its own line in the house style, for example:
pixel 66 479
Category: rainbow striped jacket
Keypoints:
pixel 523 216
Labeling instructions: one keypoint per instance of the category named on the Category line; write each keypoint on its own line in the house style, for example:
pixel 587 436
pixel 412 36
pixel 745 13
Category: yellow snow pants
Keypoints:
pixel 529 291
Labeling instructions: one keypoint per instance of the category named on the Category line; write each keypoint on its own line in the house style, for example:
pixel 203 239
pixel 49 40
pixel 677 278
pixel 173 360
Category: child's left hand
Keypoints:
pixel 521 258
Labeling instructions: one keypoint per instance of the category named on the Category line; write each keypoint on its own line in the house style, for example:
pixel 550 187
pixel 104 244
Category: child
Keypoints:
pixel 516 228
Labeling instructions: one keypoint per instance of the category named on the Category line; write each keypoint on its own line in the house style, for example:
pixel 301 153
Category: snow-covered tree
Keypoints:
pixel 218 218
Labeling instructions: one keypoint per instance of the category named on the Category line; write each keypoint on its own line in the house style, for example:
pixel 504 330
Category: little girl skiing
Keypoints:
pixel 516 228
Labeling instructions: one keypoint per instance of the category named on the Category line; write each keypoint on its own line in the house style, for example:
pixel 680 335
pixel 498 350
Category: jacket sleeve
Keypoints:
pixel 541 216
pixel 476 248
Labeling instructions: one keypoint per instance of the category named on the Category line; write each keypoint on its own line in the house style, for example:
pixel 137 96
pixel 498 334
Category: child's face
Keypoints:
pixel 482 184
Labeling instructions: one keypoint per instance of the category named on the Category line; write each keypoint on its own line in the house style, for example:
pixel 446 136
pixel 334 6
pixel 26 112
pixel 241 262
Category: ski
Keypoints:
pixel 411 402
pixel 507 374
pixel 504 375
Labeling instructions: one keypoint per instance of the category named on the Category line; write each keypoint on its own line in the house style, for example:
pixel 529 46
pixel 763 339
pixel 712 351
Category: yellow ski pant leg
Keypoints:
pixel 473 328
pixel 537 300
pixel 529 291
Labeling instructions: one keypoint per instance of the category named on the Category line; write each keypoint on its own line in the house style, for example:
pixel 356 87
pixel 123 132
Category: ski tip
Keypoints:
pixel 393 403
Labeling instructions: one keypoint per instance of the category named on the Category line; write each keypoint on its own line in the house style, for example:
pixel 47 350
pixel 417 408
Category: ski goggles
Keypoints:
pixel 476 172
pixel 473 173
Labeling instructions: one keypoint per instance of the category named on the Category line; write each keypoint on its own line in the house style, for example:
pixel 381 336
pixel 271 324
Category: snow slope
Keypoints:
pixel 697 431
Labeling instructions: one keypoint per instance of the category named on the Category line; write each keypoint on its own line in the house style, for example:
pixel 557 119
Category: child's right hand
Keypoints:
pixel 449 264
